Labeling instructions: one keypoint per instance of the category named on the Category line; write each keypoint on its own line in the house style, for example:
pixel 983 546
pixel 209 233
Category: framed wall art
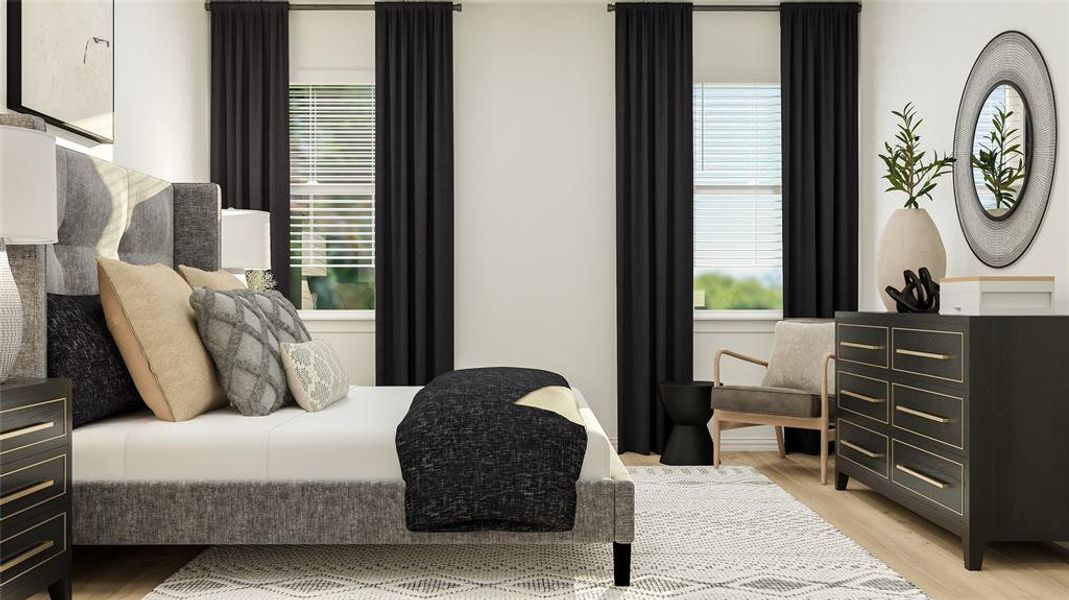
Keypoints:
pixel 61 63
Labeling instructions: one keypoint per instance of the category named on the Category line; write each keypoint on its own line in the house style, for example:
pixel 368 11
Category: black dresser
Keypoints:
pixel 964 420
pixel 35 469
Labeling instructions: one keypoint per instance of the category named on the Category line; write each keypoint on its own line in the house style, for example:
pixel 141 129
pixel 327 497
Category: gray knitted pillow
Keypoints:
pixel 242 330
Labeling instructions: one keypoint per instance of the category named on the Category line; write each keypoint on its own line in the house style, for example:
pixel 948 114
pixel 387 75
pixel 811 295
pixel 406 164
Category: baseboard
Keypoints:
pixel 750 439
pixel 749 445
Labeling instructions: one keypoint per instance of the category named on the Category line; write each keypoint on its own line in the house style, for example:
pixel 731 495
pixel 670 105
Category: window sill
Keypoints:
pixel 738 315
pixel 336 315
pixel 699 315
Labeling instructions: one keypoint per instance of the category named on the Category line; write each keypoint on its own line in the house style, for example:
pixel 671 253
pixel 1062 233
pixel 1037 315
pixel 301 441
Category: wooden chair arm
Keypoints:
pixel 733 354
pixel 830 356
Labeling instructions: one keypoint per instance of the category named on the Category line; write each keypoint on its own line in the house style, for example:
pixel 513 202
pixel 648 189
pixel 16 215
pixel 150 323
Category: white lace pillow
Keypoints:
pixel 315 374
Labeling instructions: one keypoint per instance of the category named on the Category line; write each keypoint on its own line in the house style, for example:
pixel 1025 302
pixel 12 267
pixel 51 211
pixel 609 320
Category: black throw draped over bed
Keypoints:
pixel 474 460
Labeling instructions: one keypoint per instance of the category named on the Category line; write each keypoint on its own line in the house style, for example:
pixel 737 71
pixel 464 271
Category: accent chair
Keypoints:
pixel 797 389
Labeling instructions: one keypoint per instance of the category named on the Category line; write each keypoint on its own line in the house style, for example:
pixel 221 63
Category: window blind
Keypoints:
pixel 332 175
pixel 737 176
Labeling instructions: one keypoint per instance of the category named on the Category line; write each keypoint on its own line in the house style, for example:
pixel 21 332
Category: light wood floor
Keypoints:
pixel 923 553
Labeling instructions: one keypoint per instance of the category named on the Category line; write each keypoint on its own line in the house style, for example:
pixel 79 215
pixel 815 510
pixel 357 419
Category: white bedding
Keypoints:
pixel 352 439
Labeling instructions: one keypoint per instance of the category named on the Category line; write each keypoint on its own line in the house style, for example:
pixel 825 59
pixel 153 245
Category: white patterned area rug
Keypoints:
pixel 701 533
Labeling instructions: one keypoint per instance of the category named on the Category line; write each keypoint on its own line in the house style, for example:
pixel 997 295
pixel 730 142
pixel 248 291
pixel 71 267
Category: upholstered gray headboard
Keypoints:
pixel 107 210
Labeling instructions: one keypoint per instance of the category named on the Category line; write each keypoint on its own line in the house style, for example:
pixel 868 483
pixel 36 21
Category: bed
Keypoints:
pixel 352 439
pixel 221 478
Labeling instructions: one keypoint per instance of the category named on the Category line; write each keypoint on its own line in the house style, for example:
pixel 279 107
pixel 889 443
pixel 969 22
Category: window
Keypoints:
pixel 332 194
pixel 738 243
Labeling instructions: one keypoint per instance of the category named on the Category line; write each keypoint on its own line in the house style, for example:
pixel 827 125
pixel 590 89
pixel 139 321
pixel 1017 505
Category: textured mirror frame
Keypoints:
pixel 1011 57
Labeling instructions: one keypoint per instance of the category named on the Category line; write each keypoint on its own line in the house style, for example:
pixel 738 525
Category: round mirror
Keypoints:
pixel 1001 150
pixel 1005 146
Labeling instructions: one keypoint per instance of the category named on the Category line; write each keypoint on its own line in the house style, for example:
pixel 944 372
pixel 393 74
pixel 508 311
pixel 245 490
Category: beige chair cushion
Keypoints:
pixel 213 280
pixel 797 361
pixel 148 314
pixel 782 402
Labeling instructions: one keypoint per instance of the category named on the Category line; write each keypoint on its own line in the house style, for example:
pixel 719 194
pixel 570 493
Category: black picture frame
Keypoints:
pixel 15 100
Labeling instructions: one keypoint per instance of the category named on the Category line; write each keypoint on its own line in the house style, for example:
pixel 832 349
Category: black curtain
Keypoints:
pixel 654 214
pixel 250 116
pixel 819 71
pixel 413 191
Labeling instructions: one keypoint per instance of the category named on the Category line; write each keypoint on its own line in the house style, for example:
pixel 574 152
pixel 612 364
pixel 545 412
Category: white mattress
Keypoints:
pixel 352 439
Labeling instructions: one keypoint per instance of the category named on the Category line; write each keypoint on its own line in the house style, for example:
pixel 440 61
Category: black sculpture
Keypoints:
pixel 920 295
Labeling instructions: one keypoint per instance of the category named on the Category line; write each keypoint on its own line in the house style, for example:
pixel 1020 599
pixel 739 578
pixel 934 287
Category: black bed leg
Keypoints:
pixel 621 564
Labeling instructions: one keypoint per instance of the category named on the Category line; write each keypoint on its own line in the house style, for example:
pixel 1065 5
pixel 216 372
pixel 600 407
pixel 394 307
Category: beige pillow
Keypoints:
pixel 213 280
pixel 148 313
pixel 797 361
pixel 555 398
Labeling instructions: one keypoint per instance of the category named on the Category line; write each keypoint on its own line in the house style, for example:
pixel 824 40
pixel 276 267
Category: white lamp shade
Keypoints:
pixel 246 239
pixel 28 201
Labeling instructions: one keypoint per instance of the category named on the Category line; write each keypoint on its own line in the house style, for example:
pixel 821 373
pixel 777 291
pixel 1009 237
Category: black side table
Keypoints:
pixel 689 406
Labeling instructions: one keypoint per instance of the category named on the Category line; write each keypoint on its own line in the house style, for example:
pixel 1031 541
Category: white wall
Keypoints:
pixel 332 46
pixel 162 92
pixel 163 88
pixel 535 195
pixel 736 47
pixel 354 339
pixel 923 52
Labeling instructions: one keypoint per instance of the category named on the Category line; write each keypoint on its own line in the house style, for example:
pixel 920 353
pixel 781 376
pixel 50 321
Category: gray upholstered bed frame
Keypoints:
pixel 106 209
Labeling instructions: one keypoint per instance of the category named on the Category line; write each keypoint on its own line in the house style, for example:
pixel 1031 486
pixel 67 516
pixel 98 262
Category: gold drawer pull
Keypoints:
pixel 865 451
pixel 918 353
pixel 33 489
pixel 929 480
pixel 860 346
pixel 921 414
pixel 27 555
pixel 863 397
pixel 14 433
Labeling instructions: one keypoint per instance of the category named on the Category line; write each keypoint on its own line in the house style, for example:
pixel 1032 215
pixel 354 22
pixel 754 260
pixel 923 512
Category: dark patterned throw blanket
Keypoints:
pixel 472 460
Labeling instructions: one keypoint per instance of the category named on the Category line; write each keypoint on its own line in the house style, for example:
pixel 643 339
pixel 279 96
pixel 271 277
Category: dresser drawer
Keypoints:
pixel 928 352
pixel 928 414
pixel 862 446
pixel 32 482
pixel 25 429
pixel 929 475
pixel 862 395
pixel 865 344
pixel 31 546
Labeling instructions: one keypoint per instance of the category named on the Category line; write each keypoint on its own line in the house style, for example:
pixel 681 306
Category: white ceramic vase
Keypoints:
pixel 910 240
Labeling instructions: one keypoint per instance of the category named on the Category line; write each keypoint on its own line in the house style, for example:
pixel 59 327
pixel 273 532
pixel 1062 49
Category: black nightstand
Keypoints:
pixel 35 501
pixel 689 405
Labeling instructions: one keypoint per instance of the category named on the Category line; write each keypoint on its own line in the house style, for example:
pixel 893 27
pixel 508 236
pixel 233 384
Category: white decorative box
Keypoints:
pixel 996 295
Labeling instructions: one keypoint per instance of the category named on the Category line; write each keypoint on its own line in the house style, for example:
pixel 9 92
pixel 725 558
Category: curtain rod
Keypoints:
pixel 733 7
pixel 456 7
